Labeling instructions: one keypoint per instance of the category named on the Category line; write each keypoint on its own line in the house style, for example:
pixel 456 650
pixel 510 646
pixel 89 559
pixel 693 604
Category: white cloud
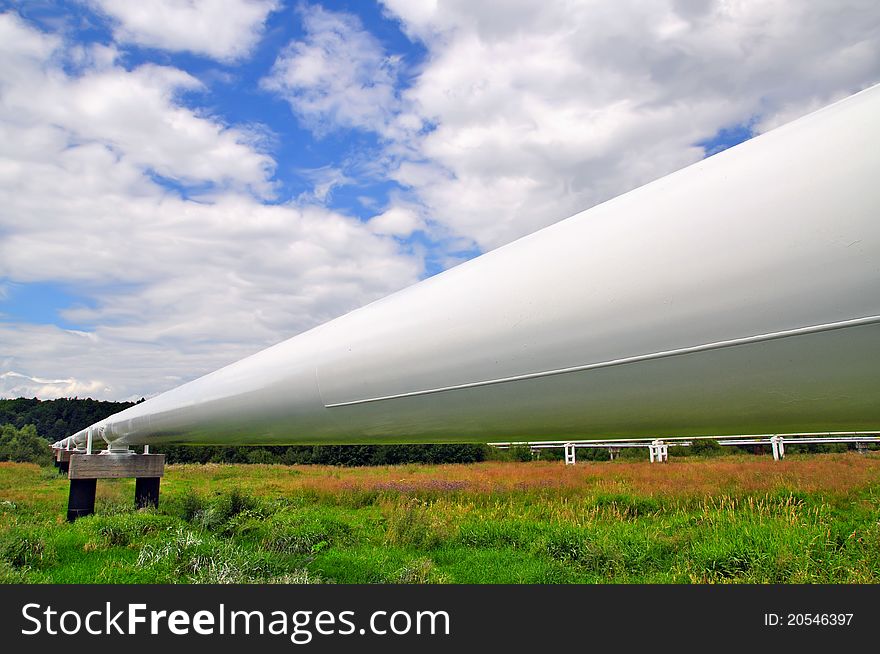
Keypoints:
pixel 13 384
pixel 131 115
pixel 19 44
pixel 177 287
pixel 396 221
pixel 545 109
pixel 337 76
pixel 226 30
pixel 323 181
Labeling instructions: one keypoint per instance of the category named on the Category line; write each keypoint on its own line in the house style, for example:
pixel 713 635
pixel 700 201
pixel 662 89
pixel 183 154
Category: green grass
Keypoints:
pixel 600 523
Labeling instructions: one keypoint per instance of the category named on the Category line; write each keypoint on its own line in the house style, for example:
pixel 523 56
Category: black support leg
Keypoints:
pixel 146 492
pixel 81 501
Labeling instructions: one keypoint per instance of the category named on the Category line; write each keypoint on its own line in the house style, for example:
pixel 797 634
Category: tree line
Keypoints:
pixel 57 419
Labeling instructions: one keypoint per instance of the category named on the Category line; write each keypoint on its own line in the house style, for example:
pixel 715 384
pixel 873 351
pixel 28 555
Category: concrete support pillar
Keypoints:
pixel 569 454
pixel 81 501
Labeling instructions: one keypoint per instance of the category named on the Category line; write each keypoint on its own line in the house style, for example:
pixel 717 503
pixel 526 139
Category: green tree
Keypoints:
pixel 706 447
pixel 23 445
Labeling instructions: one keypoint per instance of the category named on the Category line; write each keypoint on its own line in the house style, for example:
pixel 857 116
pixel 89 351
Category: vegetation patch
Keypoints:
pixel 725 519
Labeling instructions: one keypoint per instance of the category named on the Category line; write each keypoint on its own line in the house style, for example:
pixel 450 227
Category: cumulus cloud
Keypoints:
pixel 129 115
pixel 338 75
pixel 396 221
pixel 545 109
pixel 323 181
pixel 221 30
pixel 177 286
pixel 13 384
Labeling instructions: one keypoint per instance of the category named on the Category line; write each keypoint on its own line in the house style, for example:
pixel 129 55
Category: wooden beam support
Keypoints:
pixel 110 466
pixel 87 469
pixel 62 459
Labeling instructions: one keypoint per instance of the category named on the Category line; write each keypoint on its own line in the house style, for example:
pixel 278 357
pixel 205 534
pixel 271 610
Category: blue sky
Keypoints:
pixel 181 186
pixel 234 95
pixel 38 303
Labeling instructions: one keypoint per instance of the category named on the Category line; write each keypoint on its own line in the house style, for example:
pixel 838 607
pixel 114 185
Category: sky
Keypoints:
pixel 186 182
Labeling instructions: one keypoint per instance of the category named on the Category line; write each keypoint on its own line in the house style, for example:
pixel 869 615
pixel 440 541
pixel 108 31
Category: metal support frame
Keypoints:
pixel 658 451
pixel 777 443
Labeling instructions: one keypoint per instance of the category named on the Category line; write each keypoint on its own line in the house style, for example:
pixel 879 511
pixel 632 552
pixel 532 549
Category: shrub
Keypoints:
pixel 520 453
pixel 418 571
pixel 558 454
pixel 11 575
pixel 124 529
pixel 226 507
pixel 706 447
pixel 23 445
pixel 192 506
pixel 412 523
pixel 498 533
pixel 204 559
pixel 308 536
pixel 628 507
pixel 261 455
pixel 23 548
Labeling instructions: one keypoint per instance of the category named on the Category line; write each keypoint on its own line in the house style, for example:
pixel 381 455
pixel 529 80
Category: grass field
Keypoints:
pixel 810 518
